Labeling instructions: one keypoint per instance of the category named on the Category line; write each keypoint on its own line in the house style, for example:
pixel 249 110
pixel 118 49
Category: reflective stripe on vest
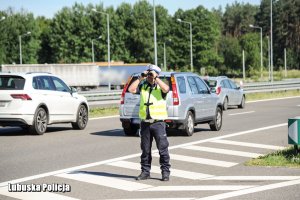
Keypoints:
pixel 158 110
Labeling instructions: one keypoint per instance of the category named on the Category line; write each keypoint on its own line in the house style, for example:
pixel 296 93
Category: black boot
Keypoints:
pixel 143 176
pixel 165 177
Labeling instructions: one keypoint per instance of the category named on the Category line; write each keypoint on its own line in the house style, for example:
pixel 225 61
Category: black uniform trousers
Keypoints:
pixel 156 130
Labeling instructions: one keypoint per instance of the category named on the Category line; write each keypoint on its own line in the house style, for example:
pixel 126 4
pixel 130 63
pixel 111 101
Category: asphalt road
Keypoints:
pixel 101 163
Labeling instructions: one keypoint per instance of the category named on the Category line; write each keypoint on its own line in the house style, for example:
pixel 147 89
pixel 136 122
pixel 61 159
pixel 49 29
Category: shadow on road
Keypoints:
pixel 107 174
pixel 114 133
pixel 103 174
pixel 17 131
pixel 120 133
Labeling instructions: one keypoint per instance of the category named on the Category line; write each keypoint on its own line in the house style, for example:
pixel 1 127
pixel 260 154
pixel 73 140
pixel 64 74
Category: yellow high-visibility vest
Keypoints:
pixel 158 109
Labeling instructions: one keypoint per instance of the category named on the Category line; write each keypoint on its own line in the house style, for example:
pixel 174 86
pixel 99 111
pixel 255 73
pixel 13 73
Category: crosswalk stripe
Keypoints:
pixel 247 144
pixel 251 190
pixel 159 199
pixel 34 195
pixel 156 169
pixel 197 160
pixel 116 183
pixel 199 188
pixel 242 113
pixel 254 178
pixel 222 151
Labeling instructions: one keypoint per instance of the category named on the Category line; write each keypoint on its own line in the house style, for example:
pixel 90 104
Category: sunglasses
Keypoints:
pixel 150 74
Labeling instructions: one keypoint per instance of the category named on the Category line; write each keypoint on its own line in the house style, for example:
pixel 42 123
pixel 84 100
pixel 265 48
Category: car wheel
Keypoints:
pixel 131 130
pixel 225 103
pixel 82 118
pixel 40 122
pixel 189 124
pixel 242 105
pixel 216 124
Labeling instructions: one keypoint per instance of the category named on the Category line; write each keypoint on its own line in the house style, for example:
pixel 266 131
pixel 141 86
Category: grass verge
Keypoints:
pixel 288 157
pixel 270 95
pixel 102 112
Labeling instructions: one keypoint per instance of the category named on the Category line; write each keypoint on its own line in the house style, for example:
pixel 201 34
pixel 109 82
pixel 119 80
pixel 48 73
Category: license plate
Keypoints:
pixel 136 121
pixel 2 103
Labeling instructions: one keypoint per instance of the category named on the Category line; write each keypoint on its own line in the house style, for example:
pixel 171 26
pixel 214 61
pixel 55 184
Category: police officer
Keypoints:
pixel 153 110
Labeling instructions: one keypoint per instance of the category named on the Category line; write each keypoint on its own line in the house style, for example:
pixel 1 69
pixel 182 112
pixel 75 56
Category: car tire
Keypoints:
pixel 225 103
pixel 40 122
pixel 131 130
pixel 216 124
pixel 82 118
pixel 189 124
pixel 242 105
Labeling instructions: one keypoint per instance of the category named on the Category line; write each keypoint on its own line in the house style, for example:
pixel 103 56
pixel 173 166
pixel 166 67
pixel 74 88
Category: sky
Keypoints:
pixel 48 8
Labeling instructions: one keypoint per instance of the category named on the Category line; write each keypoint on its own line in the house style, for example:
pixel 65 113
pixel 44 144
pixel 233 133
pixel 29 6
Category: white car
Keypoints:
pixel 34 100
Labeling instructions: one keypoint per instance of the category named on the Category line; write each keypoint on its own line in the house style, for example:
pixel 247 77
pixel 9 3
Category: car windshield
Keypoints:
pixel 11 82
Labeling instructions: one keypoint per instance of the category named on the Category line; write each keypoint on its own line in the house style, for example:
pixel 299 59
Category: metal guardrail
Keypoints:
pixel 272 87
pixel 102 95
pixel 248 88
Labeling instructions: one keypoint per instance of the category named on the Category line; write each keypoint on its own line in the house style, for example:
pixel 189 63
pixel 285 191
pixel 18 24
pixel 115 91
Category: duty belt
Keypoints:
pixel 151 120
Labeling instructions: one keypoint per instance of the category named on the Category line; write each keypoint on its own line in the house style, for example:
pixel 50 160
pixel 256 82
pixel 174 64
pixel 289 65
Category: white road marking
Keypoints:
pixel 134 156
pixel 34 195
pixel 203 161
pixel 199 188
pixel 159 199
pixel 242 113
pixel 247 144
pixel 251 190
pixel 107 181
pixel 66 170
pixel 226 136
pixel 254 178
pixel 156 169
pixel 223 151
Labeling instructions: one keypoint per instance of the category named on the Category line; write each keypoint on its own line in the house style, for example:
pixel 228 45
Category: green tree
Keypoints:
pixel 286 32
pixel 141 38
pixel 15 25
pixel 231 51
pixel 237 18
pixel 249 43
pixel 206 36
pixel 45 51
pixel 71 34
pixel 123 27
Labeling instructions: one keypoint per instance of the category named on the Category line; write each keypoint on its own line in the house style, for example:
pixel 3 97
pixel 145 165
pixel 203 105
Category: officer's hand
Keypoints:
pixel 143 75
pixel 154 74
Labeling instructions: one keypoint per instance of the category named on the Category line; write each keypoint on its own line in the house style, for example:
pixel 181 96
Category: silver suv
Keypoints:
pixel 189 102
pixel 230 94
